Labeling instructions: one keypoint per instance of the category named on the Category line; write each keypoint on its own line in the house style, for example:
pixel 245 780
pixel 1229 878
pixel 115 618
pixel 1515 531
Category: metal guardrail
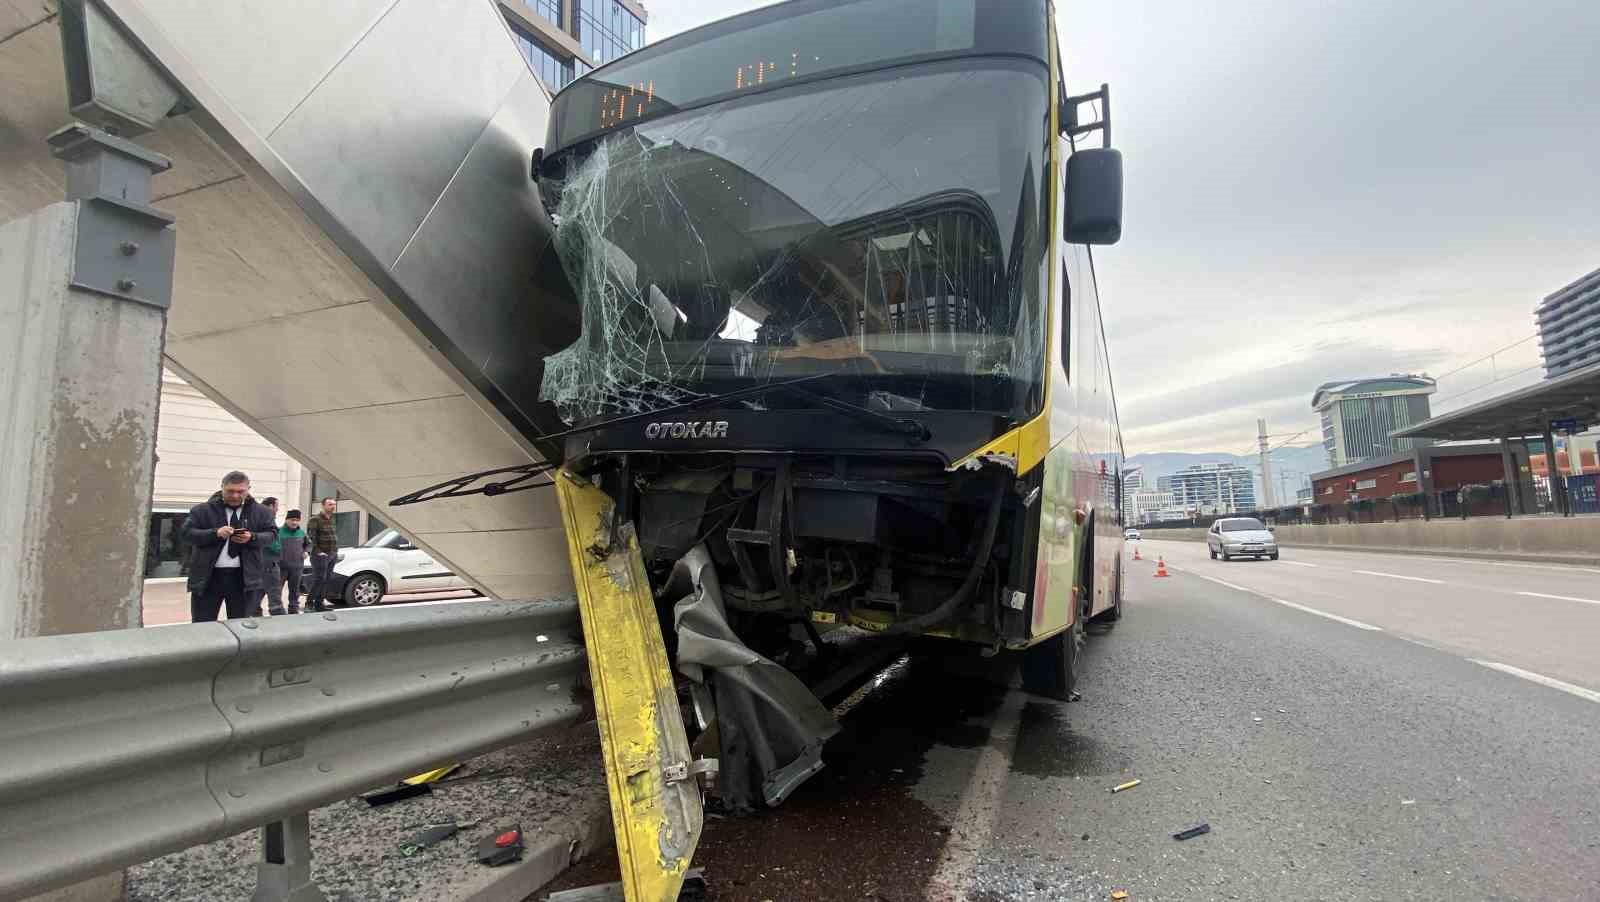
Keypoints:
pixel 117 747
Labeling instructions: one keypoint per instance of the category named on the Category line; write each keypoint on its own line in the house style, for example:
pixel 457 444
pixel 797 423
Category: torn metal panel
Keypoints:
pixel 656 818
pixel 772 728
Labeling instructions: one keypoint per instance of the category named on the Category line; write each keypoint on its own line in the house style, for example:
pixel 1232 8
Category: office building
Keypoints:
pixel 1358 415
pixel 1132 483
pixel 1569 326
pixel 563 39
pixel 1219 488
pixel 1148 505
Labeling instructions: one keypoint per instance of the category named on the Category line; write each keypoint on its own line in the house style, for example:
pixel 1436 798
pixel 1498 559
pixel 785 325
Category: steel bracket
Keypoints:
pixel 125 248
pixel 702 770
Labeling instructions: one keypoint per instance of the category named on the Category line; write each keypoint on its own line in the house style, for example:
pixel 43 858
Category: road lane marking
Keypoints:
pixel 1434 558
pixel 979 809
pixel 1561 597
pixel 1415 579
pixel 1542 680
pixel 1344 620
pixel 1288 604
pixel 1297 563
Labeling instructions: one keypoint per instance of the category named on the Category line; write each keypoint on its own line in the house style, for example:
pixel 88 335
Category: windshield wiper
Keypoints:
pixel 900 425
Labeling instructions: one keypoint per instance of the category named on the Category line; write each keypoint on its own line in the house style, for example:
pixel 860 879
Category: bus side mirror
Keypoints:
pixel 1094 196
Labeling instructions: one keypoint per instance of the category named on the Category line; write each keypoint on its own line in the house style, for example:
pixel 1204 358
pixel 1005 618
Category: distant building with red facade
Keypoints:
pixel 1428 469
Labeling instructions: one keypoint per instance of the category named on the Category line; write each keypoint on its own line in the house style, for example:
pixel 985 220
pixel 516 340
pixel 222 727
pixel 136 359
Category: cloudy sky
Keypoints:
pixel 1326 190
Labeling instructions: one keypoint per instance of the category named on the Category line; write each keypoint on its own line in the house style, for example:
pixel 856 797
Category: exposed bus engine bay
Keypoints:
pixel 754 557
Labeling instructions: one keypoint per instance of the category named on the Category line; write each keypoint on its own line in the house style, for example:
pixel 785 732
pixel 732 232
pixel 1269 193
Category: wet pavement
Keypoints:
pixel 1331 762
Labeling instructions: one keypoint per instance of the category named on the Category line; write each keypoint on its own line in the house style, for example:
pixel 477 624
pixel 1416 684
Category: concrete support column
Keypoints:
pixel 83 293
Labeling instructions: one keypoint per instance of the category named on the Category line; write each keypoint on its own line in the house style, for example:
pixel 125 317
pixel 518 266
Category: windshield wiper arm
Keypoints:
pixel 905 426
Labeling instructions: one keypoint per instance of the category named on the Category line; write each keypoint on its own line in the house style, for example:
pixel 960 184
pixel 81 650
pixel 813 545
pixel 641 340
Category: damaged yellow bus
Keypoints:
pixel 842 364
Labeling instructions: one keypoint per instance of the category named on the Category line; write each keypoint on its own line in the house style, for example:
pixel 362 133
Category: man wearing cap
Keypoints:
pixel 291 561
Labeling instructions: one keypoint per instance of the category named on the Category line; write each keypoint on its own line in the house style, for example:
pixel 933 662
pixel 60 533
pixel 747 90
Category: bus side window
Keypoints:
pixel 1066 324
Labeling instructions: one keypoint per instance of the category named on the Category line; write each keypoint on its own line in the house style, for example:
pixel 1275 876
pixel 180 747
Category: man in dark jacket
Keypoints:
pixel 322 543
pixel 270 578
pixel 227 535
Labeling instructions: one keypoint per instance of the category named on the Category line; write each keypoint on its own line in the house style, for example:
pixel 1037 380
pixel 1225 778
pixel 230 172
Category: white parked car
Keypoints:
pixel 1130 533
pixel 1241 537
pixel 388 564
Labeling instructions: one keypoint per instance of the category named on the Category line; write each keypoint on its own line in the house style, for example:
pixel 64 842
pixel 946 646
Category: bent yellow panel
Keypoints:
pixel 1027 445
pixel 657 823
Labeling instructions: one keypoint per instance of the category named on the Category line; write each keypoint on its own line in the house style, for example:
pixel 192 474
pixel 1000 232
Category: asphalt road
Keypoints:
pixel 1354 747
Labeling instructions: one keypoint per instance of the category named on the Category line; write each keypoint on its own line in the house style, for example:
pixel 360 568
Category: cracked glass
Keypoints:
pixel 883 229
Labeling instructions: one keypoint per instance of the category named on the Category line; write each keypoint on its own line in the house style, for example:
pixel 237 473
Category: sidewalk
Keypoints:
pixel 167 601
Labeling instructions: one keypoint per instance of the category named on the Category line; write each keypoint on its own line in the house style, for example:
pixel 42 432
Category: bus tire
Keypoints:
pixel 1050 668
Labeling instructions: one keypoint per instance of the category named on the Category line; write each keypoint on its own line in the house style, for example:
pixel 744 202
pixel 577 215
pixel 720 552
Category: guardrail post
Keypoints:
pixel 284 872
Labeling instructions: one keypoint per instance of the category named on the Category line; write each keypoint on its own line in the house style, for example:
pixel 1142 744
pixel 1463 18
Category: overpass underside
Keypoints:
pixel 361 253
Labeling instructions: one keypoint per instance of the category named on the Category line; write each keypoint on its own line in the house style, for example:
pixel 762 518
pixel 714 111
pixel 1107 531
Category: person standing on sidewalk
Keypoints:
pixel 227 535
pixel 269 563
pixel 322 540
pixel 291 561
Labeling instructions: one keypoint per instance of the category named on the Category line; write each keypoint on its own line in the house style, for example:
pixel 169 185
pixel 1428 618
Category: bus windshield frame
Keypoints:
pixel 886 227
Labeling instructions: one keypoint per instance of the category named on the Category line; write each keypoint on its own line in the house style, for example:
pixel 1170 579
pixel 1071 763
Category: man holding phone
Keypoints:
pixel 227 535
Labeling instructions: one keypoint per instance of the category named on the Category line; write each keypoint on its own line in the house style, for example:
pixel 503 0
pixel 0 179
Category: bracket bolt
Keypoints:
pixel 126 284
pixel 129 248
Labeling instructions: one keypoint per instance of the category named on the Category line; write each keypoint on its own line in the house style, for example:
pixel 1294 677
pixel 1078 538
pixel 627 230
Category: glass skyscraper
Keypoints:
pixel 563 39
pixel 1569 326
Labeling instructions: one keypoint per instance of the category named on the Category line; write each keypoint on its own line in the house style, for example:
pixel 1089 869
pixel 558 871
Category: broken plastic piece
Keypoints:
pixel 1128 785
pixel 398 794
pixel 1119 894
pixel 431 776
pixel 429 836
pixel 501 847
pixel 1192 832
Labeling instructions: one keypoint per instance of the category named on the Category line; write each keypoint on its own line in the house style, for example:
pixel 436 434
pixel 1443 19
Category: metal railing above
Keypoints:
pixel 122 746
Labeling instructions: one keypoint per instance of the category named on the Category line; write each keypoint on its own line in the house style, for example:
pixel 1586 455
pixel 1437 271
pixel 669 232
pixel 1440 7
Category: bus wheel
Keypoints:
pixel 1051 667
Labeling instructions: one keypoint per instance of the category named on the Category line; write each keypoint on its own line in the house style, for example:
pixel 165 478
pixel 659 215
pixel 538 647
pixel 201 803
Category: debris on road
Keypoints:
pixel 431 776
pixel 501 847
pixel 1128 785
pixel 1119 894
pixel 431 835
pixel 1192 832
pixel 398 794
pixel 1408 801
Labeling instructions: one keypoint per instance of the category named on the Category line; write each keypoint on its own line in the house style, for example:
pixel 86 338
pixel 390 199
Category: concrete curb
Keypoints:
pixel 560 844
pixel 1574 560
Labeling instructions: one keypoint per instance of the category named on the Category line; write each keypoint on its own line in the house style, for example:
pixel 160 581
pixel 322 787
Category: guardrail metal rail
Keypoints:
pixel 123 746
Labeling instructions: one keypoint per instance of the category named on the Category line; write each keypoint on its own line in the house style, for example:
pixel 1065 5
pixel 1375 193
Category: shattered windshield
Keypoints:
pixel 882 228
